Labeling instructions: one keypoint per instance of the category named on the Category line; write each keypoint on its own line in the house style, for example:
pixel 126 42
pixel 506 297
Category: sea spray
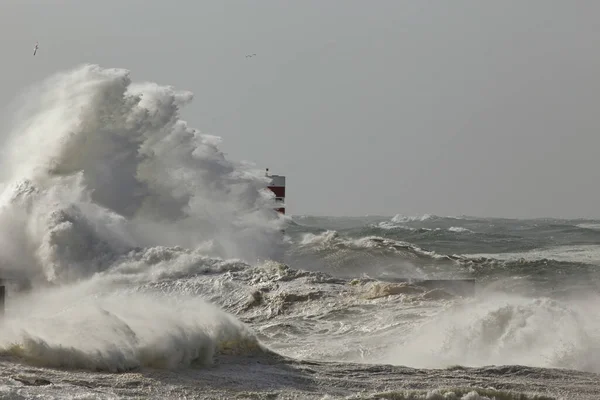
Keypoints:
pixel 97 165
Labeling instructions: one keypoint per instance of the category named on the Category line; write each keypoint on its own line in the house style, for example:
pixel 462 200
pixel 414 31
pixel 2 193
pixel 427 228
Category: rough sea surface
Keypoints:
pixel 141 263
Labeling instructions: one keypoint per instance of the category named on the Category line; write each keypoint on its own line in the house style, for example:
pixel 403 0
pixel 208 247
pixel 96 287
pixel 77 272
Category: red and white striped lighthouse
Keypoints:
pixel 277 186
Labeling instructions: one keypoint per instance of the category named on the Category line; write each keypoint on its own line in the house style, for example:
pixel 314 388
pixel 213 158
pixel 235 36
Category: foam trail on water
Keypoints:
pixel 96 165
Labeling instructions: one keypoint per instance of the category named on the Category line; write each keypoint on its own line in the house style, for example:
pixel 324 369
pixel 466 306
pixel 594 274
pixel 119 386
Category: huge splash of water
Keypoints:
pixel 102 181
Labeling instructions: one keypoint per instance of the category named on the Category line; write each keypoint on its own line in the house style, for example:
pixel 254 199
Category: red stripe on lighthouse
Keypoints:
pixel 277 186
pixel 278 190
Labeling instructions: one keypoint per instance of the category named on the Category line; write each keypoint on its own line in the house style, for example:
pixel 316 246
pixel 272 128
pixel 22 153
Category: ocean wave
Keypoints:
pixel 399 218
pixel 458 229
pixel 387 225
pixel 503 329
pixel 588 254
pixel 105 189
pixel 591 226
pixel 332 240
pixel 68 329
pixel 381 257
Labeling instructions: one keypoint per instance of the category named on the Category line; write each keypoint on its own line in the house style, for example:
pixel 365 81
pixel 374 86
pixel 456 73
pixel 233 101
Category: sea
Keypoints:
pixel 139 262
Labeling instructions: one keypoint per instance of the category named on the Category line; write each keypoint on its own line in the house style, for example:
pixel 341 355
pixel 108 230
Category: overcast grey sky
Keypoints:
pixel 368 107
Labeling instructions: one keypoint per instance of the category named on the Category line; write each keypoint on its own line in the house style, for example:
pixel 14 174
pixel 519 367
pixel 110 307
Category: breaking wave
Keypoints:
pixel 503 330
pixel 100 165
pixel 119 332
pixel 103 186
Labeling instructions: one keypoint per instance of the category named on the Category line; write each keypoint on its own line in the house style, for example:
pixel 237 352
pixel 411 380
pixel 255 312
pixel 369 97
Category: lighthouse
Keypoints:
pixel 277 186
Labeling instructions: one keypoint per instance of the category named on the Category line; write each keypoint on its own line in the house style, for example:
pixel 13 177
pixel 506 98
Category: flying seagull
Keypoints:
pixel 250 55
pixel 35 48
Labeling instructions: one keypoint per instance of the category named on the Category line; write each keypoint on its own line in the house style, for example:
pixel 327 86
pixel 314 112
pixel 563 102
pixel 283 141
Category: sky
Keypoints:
pixel 376 107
